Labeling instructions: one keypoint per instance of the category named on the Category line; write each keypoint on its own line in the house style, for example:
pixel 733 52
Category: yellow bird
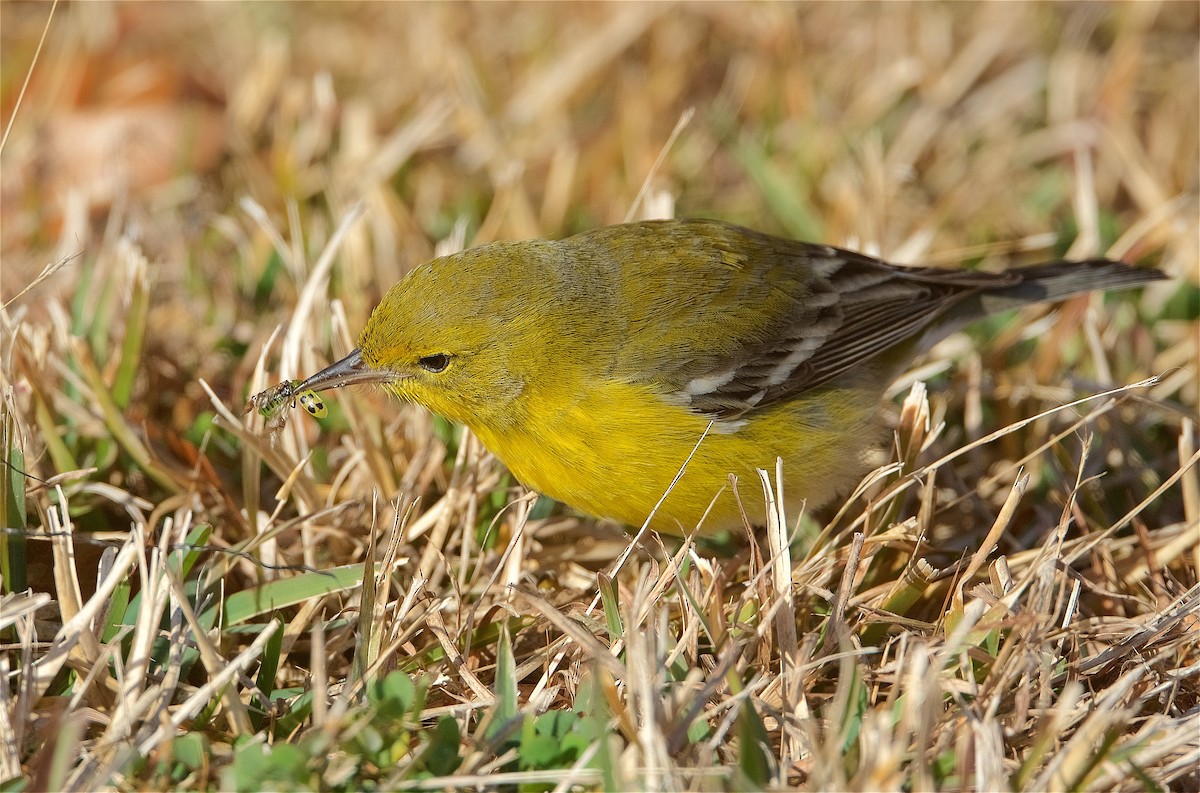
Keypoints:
pixel 592 366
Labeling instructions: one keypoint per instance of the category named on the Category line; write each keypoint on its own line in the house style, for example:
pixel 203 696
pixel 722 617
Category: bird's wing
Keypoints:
pixel 864 307
pixel 727 320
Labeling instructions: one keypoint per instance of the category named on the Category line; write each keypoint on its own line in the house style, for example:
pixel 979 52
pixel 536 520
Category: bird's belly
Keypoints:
pixel 616 453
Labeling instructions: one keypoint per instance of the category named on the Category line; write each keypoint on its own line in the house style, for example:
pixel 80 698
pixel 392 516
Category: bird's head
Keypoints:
pixel 457 335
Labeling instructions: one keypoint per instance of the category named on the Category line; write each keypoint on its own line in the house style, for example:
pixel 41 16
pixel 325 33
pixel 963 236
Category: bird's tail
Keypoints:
pixel 1042 283
pixel 1039 283
pixel 1061 280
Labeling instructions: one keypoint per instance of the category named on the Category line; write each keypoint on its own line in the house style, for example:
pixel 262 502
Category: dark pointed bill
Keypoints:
pixel 351 370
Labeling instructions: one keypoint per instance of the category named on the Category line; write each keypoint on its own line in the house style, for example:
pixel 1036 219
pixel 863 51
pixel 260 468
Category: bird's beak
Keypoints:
pixel 351 370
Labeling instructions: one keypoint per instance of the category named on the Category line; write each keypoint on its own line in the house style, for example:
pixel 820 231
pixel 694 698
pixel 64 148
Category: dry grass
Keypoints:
pixel 1010 602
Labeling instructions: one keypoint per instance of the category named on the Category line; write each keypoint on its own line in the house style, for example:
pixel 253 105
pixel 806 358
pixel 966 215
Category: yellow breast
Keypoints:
pixel 614 449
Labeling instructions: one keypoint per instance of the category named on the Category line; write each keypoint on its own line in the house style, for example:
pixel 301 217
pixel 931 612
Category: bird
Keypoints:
pixel 594 367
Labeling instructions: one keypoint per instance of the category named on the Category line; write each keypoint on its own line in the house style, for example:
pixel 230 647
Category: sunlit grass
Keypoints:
pixel 1008 602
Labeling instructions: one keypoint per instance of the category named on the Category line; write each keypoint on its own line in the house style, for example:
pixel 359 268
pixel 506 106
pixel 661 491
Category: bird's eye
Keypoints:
pixel 434 363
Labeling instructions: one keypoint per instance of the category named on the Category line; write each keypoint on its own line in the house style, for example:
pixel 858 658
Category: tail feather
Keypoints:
pixel 1059 280
pixel 1039 283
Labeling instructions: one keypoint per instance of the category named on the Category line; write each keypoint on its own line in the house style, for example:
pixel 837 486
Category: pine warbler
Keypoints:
pixel 592 366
